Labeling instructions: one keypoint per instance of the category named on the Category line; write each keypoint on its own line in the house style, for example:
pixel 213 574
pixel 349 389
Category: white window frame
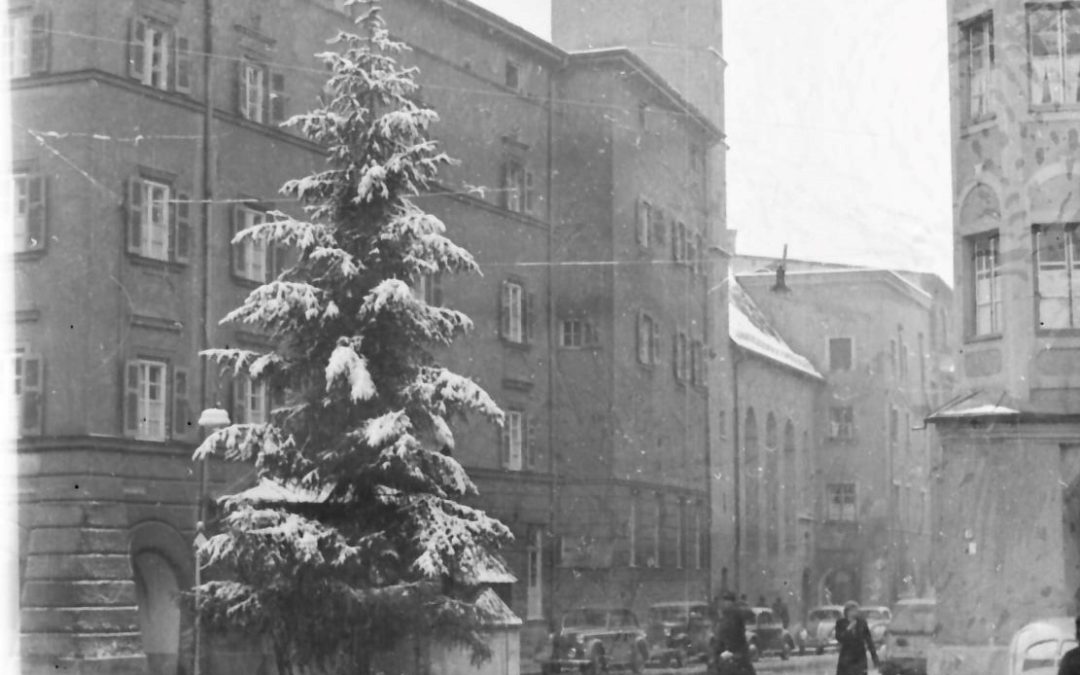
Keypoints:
pixel 157 46
pixel 152 400
pixel 256 259
pixel 1067 290
pixel 986 287
pixel 978 64
pixel 515 423
pixel 156 214
pixel 680 536
pixel 253 88
pixel 631 530
pixel 644 223
pixel 842 428
pixel 20 32
pixel 518 186
pixel 698 548
pixel 658 532
pixel 514 303
pixel 256 397
pixel 24 210
pixel 1054 76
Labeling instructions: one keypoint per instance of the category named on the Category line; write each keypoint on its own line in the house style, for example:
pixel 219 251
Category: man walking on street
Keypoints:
pixel 730 649
pixel 780 611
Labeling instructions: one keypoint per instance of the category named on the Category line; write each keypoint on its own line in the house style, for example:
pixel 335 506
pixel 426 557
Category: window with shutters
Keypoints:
pixel 517 187
pixel 648 340
pixel 840 353
pixel 251 401
pixel 840 504
pixel 185 423
pixel 158 225
pixel 159 57
pixel 644 223
pixel 516 313
pixel 30 44
pixel 514 439
pixel 977 55
pixel 1054 53
pixel 254 258
pixel 262 95
pixel 512 75
pixel 30 214
pixel 697 363
pixel 29 392
pixel 145 397
pixel 985 306
pixel 680 360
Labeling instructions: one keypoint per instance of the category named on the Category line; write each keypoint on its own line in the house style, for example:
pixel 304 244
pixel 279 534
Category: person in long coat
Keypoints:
pixel 731 651
pixel 853 636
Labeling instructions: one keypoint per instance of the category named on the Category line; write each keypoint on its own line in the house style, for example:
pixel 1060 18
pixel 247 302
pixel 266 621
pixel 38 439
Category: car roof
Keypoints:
pixel 837 608
pixel 679 603
pixel 1056 628
pixel 917 601
pixel 884 607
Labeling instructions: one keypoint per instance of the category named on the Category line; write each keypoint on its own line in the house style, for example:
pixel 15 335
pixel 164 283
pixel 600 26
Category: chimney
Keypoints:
pixel 781 274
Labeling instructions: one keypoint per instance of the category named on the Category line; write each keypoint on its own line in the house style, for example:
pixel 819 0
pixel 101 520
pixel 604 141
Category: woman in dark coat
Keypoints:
pixel 853 636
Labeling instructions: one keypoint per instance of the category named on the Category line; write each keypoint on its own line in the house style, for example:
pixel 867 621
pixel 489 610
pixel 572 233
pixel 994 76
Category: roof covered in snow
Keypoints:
pixel 749 329
pixel 497 611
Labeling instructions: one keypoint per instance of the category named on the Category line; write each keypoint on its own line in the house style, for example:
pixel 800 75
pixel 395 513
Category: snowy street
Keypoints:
pixel 803 665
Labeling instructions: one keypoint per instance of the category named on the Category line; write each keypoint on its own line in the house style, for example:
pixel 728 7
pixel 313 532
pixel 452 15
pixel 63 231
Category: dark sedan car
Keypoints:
pixel 766 634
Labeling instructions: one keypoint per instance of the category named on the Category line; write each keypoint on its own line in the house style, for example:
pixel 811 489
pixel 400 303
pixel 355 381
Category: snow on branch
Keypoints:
pixel 275 303
pixel 244 442
pixel 446 392
pixel 347 364
pixel 386 428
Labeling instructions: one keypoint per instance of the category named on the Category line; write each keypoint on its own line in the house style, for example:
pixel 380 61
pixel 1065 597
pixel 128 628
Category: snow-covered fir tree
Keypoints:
pixel 373 542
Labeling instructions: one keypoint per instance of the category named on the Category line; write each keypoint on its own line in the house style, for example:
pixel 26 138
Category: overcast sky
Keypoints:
pixel 838 124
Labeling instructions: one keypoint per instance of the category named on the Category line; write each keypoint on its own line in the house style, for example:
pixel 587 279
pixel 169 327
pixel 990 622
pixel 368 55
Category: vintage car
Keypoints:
pixel 877 618
pixel 593 640
pixel 819 633
pixel 1037 648
pixel 766 634
pixel 909 638
pixel 678 632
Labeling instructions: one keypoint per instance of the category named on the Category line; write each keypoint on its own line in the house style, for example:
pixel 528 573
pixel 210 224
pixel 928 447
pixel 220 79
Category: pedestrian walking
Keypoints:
pixel 780 611
pixel 1070 663
pixel 731 651
pixel 853 636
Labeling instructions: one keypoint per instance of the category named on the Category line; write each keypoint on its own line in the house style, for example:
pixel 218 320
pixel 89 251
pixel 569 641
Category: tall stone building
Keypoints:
pixel 1007 549
pixel 837 507
pixel 146 132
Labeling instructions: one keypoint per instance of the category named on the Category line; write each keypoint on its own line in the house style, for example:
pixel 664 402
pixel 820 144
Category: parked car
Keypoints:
pixel 766 634
pixel 592 640
pixel 909 638
pixel 678 632
pixel 878 619
pixel 819 633
pixel 1037 648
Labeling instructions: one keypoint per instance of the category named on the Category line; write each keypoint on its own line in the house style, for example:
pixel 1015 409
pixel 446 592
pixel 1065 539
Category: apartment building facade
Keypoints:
pixel 145 133
pixel 1007 554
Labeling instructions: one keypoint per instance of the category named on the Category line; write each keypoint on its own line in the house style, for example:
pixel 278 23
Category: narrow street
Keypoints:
pixel 803 665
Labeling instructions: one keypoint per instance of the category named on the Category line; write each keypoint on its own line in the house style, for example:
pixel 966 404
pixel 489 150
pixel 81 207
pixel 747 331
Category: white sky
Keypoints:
pixel 838 124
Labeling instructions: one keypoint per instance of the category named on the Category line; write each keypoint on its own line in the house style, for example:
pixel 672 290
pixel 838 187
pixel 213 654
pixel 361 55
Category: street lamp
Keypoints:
pixel 210 420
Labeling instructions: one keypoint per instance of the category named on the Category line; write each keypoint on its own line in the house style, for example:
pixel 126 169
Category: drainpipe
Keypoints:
pixel 737 468
pixel 204 315
pixel 553 465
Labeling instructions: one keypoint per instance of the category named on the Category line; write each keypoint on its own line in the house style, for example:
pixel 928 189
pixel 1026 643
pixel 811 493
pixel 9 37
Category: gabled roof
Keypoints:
pixel 820 277
pixel 750 330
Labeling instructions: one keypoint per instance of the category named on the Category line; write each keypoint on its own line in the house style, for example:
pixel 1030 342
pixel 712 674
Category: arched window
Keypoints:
pixel 772 487
pixel 791 489
pixel 752 478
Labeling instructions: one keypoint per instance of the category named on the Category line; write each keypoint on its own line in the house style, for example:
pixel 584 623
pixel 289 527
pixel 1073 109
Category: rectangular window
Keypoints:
pixel 158 57
pixel 894 425
pixel 534 574
pixel 840 353
pixel 699 540
pixel 631 529
pixel 29 392
pixel 515 313
pixel 254 258
pixel 572 334
pixel 253 91
pixel 840 502
pixel 512 76
pixel 658 532
pixel 144 400
pixel 697 363
pixel 648 340
pixel 513 440
pixel 29 212
pixel 978 59
pixel 150 209
pixel 678 242
pixel 680 537
pixel 1054 31
pixel 428 287
pixel 251 404
pixel 680 361
pixel 721 424
pixel 517 187
pixel 1057 270
pixel 987 287
pixel 841 422
pixel 30 43
pixel 644 223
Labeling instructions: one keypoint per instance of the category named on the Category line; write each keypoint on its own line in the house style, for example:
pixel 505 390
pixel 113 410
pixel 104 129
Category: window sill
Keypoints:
pixel 1057 332
pixel 244 282
pixel 1056 110
pixel 28 255
pixel 156 263
pixel 979 125
pixel 518 346
pixel 977 339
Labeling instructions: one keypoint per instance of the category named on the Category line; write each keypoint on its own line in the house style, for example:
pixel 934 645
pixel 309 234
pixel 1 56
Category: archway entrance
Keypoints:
pixel 838 586
pixel 157 592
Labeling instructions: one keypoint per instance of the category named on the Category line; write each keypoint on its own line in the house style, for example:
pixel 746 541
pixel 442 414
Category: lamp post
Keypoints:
pixel 210 420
